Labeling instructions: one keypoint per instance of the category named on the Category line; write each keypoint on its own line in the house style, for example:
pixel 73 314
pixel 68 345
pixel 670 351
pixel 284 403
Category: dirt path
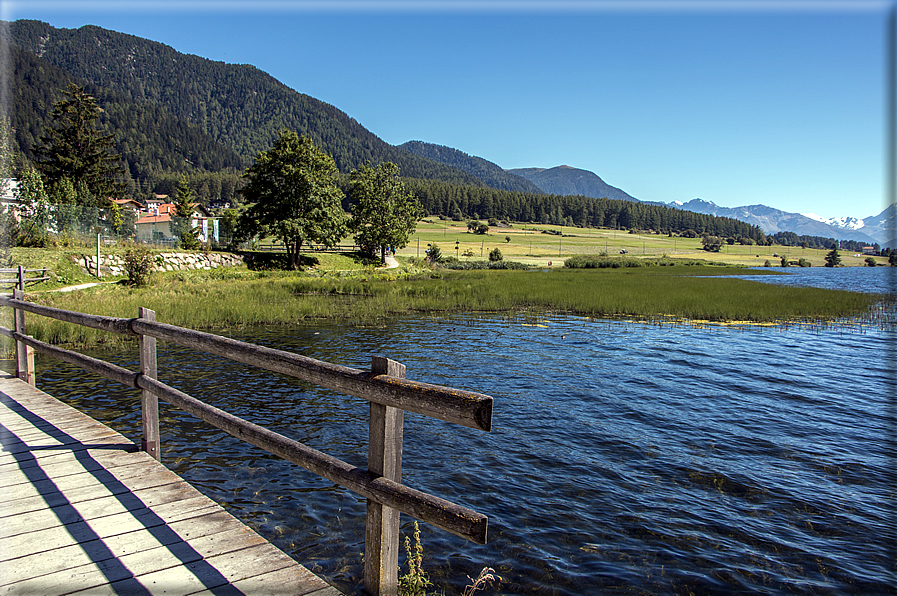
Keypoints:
pixel 81 286
pixel 391 262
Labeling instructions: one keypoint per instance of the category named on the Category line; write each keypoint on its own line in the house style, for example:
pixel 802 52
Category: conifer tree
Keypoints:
pixel 833 258
pixel 75 149
pixel 181 228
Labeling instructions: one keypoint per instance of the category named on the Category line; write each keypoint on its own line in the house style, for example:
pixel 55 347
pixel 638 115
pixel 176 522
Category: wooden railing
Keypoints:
pixel 384 386
pixel 22 276
pixel 306 248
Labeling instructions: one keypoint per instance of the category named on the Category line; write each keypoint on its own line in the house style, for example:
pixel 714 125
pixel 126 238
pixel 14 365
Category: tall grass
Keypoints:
pixel 229 298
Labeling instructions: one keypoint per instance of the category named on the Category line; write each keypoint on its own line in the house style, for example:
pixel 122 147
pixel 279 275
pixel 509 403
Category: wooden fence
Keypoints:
pixel 306 248
pixel 22 276
pixel 384 386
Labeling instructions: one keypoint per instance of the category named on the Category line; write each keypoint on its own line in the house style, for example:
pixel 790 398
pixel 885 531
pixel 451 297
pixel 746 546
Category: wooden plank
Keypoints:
pixel 214 572
pixel 91 574
pixel 74 556
pixel 61 465
pixel 89 481
pixel 94 518
pixel 282 582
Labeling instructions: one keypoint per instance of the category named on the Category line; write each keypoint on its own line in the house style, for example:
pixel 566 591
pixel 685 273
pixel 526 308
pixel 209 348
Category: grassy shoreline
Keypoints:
pixel 236 297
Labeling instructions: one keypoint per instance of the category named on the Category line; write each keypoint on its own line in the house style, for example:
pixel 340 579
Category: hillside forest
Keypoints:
pixel 178 117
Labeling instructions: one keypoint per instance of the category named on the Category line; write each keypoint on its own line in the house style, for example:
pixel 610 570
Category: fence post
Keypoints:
pixel 149 402
pixel 381 546
pixel 21 282
pixel 24 353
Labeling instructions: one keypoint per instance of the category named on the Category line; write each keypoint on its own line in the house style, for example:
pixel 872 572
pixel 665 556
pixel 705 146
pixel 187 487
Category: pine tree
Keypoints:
pixel 76 150
pixel 833 259
pixel 181 227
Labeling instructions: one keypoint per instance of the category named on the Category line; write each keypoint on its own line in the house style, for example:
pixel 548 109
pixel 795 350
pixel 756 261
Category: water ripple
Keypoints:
pixel 625 457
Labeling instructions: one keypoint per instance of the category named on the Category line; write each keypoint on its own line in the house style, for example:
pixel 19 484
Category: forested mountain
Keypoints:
pixel 238 106
pixel 492 174
pixel 571 210
pixel 564 180
pixel 151 141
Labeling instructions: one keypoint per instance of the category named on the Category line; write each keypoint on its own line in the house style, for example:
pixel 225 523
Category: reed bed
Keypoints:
pixel 229 299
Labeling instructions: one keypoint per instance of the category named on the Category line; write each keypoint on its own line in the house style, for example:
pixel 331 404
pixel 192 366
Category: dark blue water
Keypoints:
pixel 878 280
pixel 626 458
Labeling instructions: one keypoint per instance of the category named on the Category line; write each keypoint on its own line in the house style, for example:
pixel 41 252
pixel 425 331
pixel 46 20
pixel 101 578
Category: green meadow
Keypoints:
pixel 540 244
pixel 237 298
pixel 693 285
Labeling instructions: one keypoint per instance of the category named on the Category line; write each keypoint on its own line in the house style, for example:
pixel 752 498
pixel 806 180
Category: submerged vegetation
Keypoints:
pixel 236 297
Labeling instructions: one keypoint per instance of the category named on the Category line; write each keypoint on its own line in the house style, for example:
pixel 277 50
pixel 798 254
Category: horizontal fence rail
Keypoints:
pixel 21 276
pixel 384 386
pixel 466 408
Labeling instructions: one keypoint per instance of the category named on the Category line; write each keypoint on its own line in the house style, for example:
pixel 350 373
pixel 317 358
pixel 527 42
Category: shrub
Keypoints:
pixel 767 263
pixel 139 265
pixel 602 262
pixel 712 243
pixel 870 262
pixel 434 254
pixel 495 255
pixel 804 263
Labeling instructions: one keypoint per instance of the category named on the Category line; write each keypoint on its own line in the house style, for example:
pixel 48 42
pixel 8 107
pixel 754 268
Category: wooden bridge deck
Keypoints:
pixel 83 512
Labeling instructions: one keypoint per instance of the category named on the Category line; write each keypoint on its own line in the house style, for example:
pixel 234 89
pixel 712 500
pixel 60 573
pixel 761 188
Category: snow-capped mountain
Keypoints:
pixel 848 223
pixel 875 229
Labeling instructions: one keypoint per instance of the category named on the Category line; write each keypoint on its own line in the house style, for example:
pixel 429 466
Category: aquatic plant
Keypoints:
pixel 483 580
pixel 415 582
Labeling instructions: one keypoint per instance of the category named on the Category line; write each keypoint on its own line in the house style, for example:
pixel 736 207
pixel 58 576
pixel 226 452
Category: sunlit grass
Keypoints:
pixel 236 298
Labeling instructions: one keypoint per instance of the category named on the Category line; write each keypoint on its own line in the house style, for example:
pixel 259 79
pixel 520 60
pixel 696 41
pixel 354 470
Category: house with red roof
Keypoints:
pixel 155 226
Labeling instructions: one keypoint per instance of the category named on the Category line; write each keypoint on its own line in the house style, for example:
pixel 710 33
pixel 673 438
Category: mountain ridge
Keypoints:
pixel 875 229
pixel 490 173
pixel 567 180
pixel 239 106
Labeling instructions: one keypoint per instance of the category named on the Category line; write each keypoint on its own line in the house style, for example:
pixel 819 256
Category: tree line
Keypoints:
pixel 466 202
pixel 804 241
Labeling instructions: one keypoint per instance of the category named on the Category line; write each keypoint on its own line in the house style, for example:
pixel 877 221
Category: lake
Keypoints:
pixel 626 457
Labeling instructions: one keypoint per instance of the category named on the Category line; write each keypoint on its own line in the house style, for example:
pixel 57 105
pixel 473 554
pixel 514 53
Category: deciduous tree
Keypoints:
pixel 383 212
pixel 73 148
pixel 712 243
pixel 295 195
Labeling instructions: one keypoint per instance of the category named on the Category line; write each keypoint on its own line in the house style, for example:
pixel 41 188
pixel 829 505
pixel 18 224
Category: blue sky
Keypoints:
pixel 736 102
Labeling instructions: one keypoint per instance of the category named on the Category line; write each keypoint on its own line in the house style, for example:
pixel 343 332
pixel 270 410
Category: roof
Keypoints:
pixel 154 219
pixel 123 202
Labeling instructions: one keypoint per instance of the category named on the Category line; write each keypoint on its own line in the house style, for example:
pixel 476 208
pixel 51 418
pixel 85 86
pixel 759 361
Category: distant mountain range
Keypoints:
pixel 175 113
pixel 874 229
pixel 565 180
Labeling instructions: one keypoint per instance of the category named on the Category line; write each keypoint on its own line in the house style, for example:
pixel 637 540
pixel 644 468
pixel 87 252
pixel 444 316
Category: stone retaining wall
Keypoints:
pixel 166 261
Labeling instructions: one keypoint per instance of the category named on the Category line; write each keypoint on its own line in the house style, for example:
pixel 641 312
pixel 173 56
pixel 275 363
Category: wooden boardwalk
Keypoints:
pixel 83 512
